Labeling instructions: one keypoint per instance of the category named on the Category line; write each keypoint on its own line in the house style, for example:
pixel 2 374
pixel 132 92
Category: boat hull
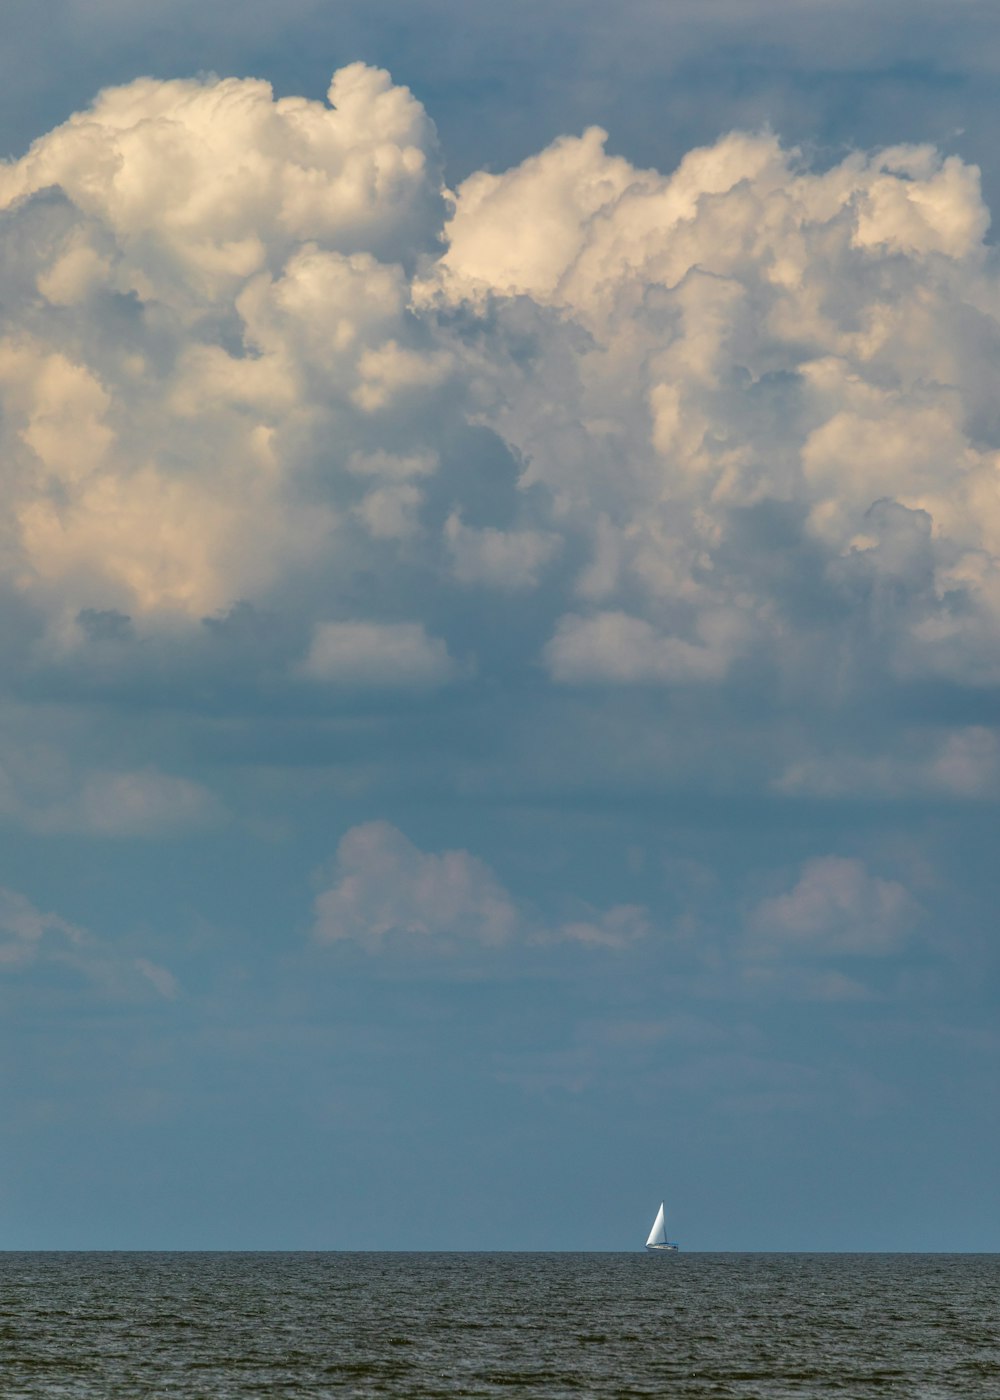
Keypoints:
pixel 662 1248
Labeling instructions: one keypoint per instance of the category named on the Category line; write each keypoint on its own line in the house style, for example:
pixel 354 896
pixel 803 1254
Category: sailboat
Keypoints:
pixel 658 1234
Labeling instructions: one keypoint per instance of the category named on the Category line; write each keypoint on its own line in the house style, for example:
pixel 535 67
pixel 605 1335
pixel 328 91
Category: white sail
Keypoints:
pixel 658 1234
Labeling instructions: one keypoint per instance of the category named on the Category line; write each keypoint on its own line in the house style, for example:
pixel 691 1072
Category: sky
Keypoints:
pixel 500 622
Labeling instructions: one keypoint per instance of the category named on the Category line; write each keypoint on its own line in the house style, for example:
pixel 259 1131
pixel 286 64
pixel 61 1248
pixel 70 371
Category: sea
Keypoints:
pixel 219 1326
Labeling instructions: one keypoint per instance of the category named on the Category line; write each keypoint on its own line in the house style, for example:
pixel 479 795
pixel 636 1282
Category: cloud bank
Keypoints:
pixel 729 430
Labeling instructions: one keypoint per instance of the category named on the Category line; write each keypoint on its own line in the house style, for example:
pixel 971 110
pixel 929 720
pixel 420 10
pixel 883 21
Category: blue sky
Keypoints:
pixel 500 606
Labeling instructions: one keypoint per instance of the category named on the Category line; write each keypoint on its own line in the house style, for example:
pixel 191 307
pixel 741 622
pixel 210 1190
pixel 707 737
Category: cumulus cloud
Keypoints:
pixel 204 280
pixel 383 884
pixel 146 161
pixel 385 891
pixel 735 421
pixel 755 337
pixel 836 907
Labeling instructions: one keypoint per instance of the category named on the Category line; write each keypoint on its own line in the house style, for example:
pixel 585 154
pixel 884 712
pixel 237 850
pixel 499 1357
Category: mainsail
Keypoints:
pixel 658 1234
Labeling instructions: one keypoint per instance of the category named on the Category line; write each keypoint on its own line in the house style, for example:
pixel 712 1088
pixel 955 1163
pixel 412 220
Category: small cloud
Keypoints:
pixel 836 907
pixel 378 654
pixel 31 937
pixel 965 763
pixel 385 885
pixel 140 803
pixel 41 792
pixel 163 980
pixel 617 928
pixel 28 927
pixel 968 764
pixel 612 647
pixel 506 559
pixel 385 890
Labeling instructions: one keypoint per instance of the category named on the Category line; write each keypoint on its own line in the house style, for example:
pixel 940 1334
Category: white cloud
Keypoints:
pixel 383 884
pixel 934 208
pixel 504 559
pixel 836 907
pixel 199 180
pixel 968 763
pixel 617 928
pixel 494 244
pixel 755 334
pixel 391 370
pixel 41 790
pixel 161 978
pixel 962 763
pixel 30 937
pixel 385 891
pixel 613 647
pixel 27 928
pixel 141 803
pixel 387 654
pixel 736 419
pixel 251 247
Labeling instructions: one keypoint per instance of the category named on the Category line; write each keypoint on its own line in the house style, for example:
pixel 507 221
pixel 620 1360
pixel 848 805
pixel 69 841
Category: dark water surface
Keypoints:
pixel 616 1325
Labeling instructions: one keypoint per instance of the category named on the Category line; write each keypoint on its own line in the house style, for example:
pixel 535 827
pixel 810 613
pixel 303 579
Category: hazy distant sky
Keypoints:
pixel 500 617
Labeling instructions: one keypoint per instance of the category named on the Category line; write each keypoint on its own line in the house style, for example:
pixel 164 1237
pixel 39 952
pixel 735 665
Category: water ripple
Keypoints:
pixel 607 1326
